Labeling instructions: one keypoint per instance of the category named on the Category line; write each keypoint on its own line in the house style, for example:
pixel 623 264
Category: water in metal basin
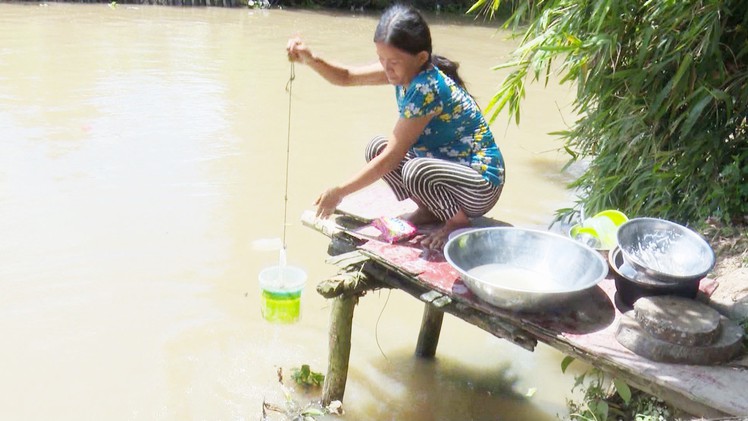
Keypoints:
pixel 513 277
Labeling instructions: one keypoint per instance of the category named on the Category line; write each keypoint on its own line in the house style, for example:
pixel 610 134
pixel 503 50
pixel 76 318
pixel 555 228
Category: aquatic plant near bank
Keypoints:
pixel 304 376
pixel 661 95
pixel 605 398
pixel 291 409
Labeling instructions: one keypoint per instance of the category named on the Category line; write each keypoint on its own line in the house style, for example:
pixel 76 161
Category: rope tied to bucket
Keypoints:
pixel 289 89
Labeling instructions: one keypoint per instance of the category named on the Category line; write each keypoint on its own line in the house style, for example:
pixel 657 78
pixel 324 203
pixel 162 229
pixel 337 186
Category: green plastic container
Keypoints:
pixel 281 293
pixel 599 232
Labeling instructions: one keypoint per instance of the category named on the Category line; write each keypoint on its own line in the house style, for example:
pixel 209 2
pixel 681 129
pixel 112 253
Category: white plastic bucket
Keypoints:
pixel 281 293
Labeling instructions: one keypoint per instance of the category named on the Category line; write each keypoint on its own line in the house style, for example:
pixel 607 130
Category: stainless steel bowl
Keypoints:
pixel 523 269
pixel 664 250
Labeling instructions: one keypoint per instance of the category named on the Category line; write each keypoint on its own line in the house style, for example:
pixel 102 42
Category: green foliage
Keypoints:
pixel 291 409
pixel 649 408
pixel 661 95
pixel 623 390
pixel 594 405
pixel 605 399
pixel 565 363
pixel 304 376
pixel 611 399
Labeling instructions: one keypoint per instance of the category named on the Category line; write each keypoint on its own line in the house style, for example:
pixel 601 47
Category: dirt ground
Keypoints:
pixel 730 297
pixel 730 244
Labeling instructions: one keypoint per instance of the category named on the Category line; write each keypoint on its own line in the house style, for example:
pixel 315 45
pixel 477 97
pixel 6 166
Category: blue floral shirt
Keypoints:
pixel 458 132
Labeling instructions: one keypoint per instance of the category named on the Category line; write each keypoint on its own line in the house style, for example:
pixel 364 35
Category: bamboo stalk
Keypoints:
pixel 341 324
pixel 431 326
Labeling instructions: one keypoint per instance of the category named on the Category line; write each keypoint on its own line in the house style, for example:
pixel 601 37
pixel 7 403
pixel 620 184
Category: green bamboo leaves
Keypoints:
pixel 662 98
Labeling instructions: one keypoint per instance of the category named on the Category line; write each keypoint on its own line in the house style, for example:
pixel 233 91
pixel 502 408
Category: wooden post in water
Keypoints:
pixel 431 326
pixel 341 323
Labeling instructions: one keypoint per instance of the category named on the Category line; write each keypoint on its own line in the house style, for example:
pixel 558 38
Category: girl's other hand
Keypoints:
pixel 328 201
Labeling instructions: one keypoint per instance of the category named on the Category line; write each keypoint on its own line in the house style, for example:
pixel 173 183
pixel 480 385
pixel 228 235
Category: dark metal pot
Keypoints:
pixel 630 286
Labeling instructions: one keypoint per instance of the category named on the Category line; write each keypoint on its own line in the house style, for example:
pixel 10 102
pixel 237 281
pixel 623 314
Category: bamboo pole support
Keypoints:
pixel 431 326
pixel 341 324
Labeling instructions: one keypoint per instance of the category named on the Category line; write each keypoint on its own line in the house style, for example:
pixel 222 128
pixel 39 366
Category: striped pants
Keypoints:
pixel 443 187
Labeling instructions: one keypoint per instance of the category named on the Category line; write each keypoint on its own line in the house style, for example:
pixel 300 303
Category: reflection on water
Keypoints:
pixel 142 153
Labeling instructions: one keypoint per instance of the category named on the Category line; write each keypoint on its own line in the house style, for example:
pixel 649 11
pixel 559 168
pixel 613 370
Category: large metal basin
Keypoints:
pixel 523 269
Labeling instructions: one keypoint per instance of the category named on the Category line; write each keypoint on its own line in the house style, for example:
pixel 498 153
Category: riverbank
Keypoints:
pixel 730 244
pixel 443 6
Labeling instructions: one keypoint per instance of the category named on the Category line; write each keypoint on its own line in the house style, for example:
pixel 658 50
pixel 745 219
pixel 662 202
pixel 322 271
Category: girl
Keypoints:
pixel 441 152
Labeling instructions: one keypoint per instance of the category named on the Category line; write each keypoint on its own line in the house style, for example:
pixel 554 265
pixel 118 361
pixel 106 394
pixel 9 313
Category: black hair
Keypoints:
pixel 403 27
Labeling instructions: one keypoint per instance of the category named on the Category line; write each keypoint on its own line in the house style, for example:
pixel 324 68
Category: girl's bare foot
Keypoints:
pixel 420 216
pixel 437 239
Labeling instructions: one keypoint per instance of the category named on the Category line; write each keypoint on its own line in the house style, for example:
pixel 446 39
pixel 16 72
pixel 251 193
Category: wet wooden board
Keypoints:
pixel 708 391
pixel 588 311
pixel 583 327
pixel 373 202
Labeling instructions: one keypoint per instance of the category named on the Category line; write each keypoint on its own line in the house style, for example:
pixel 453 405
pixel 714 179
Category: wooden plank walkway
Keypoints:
pixel 583 328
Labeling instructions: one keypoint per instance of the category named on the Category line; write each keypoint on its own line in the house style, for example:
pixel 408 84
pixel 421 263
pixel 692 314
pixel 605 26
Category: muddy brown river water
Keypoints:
pixel 142 151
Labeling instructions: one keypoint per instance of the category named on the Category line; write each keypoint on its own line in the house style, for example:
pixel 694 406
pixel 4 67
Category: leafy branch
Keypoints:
pixel 661 98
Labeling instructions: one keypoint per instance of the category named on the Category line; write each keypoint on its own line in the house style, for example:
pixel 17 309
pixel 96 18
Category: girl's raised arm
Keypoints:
pixel 337 74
